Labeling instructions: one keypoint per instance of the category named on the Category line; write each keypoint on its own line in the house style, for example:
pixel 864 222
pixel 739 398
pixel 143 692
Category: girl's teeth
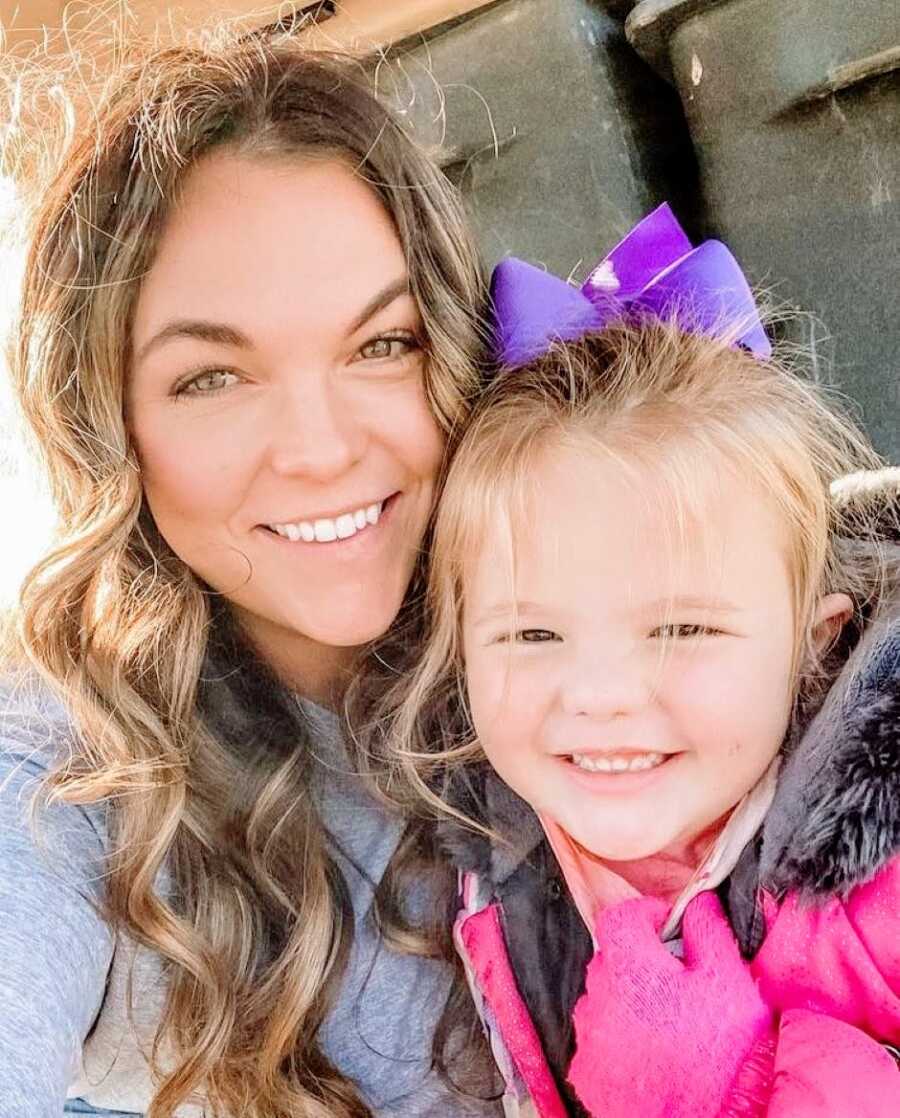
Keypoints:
pixel 617 764
pixel 326 530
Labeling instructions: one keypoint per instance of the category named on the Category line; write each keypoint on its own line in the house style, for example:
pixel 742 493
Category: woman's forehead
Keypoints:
pixel 252 241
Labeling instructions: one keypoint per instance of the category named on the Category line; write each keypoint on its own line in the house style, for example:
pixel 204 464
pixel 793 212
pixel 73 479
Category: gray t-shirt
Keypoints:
pixel 66 1032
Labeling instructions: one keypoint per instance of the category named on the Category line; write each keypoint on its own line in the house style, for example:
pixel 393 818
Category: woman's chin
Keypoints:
pixel 348 626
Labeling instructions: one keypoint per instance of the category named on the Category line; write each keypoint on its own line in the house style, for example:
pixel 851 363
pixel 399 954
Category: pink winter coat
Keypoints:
pixel 799 1031
pixel 832 973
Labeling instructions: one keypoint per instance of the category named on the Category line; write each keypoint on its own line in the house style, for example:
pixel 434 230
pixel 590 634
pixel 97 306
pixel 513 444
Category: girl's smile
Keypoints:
pixel 618 774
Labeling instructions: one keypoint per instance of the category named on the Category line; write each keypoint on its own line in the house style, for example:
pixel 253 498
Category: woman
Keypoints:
pixel 249 324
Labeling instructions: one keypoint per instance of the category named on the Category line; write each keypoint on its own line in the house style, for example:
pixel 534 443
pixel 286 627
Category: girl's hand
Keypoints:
pixel 662 1037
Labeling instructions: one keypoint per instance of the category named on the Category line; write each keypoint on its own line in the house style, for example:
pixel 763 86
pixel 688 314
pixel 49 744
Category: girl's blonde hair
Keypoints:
pixel 645 394
pixel 120 627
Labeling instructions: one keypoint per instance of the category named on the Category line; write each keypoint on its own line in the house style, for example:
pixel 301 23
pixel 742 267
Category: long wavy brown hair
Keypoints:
pixel 122 629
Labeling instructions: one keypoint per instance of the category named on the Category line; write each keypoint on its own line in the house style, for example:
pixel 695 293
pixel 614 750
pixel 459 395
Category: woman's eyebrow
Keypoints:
pixel 218 333
pixel 378 302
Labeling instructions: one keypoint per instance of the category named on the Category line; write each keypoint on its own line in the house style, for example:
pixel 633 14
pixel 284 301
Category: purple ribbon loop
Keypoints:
pixel 654 269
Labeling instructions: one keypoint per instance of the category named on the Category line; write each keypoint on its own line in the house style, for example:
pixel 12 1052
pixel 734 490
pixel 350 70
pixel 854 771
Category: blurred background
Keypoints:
pixel 773 125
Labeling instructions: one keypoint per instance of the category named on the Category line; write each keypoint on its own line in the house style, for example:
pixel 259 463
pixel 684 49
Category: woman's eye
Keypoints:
pixel 206 383
pixel 388 347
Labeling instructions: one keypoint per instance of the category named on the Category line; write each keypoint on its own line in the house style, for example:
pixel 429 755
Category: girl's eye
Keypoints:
pixel 684 632
pixel 388 347
pixel 535 636
pixel 207 383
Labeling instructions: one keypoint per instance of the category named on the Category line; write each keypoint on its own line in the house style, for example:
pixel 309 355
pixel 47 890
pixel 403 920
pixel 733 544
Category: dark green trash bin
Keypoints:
pixel 794 111
pixel 559 135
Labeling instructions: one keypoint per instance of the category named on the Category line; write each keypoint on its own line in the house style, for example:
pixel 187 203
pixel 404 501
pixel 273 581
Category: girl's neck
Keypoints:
pixel 667 873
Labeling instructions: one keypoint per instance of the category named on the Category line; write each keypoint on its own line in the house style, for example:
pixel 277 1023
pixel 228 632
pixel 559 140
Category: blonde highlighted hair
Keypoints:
pixel 255 941
pixel 650 396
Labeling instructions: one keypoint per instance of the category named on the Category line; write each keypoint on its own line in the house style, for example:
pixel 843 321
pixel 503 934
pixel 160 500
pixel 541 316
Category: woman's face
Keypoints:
pixel 277 405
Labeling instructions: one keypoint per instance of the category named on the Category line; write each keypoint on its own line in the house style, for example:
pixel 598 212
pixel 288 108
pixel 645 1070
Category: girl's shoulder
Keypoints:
pixel 838 956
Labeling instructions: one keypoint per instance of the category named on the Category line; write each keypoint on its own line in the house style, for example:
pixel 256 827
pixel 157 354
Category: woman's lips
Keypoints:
pixel 328 533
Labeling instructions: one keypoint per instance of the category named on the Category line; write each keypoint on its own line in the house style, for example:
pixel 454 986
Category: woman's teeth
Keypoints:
pixel 326 530
pixel 618 763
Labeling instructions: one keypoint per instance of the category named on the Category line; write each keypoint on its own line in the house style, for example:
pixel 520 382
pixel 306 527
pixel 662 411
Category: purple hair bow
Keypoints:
pixel 653 269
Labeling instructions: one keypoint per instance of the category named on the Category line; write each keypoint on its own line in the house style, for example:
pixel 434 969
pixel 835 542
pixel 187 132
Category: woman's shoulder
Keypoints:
pixel 36 736
pixel 56 945
pixel 32 714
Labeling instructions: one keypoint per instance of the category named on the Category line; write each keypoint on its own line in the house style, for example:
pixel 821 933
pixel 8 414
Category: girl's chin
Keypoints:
pixel 624 851
pixel 608 847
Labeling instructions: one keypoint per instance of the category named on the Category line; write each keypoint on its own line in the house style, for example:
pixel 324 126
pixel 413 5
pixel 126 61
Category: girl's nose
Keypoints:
pixel 315 433
pixel 605 687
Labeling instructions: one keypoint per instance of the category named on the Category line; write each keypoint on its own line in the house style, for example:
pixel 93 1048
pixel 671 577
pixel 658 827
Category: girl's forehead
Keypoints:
pixel 599 518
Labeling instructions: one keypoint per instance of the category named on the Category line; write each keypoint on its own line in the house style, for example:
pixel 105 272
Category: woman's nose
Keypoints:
pixel 315 432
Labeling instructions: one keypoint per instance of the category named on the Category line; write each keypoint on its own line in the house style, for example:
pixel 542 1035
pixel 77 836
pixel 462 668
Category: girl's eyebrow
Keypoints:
pixel 712 604
pixel 220 333
pixel 506 609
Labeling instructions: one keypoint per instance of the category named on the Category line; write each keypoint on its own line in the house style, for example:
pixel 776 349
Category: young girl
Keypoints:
pixel 682 651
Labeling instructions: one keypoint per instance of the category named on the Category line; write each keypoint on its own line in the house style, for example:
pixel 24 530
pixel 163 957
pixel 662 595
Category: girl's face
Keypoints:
pixel 647 685
pixel 277 405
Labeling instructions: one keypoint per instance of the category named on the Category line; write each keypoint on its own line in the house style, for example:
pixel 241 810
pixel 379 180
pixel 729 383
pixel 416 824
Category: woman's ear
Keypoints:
pixel 832 614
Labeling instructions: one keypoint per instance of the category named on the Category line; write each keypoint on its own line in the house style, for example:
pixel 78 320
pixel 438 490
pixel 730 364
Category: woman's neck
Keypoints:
pixel 312 670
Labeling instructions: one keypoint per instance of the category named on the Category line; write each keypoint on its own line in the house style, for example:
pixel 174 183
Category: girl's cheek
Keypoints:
pixel 501 710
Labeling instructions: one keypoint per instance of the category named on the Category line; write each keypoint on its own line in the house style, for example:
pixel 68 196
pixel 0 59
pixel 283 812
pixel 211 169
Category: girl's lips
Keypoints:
pixel 619 783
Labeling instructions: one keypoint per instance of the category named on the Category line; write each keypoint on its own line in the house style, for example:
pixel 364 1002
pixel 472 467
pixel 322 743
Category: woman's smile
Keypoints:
pixel 327 529
pixel 347 536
